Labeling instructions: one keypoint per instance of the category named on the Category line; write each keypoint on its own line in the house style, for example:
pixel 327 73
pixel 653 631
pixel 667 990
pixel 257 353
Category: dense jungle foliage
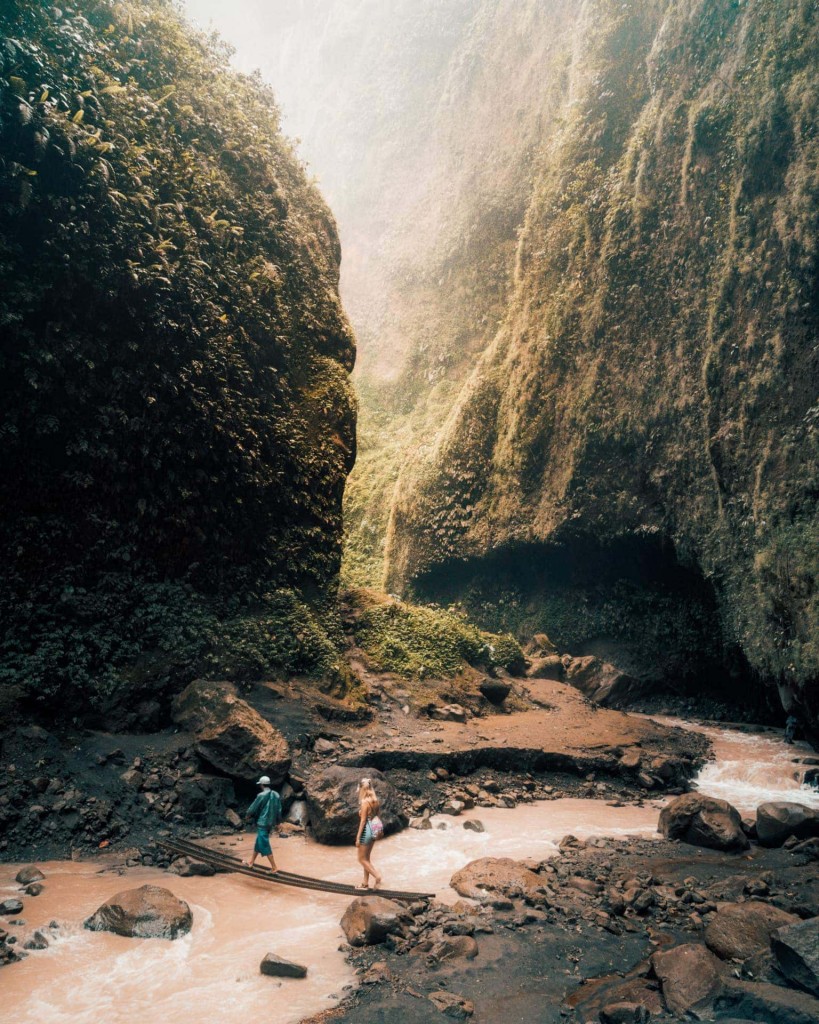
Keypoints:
pixel 175 414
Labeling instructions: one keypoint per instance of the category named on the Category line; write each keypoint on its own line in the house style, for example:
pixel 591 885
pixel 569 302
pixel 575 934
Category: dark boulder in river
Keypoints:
pixel 370 919
pixel 276 967
pixel 332 800
pixel 149 912
pixel 30 874
pixel 778 820
pixel 703 821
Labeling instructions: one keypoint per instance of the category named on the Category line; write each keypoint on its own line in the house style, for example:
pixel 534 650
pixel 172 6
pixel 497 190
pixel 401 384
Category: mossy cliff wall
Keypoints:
pixel 655 374
pixel 176 419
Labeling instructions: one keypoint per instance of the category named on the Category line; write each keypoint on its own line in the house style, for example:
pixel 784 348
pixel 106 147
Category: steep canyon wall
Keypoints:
pixel 581 255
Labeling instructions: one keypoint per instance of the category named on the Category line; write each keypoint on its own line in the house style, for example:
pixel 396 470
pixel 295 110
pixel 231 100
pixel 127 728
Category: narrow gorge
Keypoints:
pixel 410 419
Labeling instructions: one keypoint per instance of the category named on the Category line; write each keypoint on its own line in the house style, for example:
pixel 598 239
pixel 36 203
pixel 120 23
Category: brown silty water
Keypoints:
pixel 212 975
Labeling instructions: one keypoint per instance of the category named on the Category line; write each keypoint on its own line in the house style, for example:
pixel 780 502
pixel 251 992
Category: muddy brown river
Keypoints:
pixel 212 975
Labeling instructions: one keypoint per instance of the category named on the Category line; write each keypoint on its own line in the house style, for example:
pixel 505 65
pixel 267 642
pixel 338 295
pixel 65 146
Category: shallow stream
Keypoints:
pixel 212 975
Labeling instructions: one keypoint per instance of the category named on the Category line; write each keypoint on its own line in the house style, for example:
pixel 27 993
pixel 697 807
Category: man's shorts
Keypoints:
pixel 262 844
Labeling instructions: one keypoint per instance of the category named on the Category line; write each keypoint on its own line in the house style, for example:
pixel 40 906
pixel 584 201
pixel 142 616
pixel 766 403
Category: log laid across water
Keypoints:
pixel 225 861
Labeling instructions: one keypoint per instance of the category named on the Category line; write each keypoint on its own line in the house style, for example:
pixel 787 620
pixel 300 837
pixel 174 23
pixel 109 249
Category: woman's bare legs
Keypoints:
pixel 367 866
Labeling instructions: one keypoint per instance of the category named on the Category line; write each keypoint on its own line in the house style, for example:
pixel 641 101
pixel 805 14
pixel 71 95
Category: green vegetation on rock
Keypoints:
pixel 421 642
pixel 177 422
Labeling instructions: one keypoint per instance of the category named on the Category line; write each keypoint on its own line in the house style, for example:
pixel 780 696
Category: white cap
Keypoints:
pixel 263 781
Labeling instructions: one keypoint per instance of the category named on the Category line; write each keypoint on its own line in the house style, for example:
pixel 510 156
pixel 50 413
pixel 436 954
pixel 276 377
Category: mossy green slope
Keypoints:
pixel 656 373
pixel 177 423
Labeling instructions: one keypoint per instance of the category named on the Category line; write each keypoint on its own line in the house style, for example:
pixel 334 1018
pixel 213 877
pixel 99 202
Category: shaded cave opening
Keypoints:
pixel 630 601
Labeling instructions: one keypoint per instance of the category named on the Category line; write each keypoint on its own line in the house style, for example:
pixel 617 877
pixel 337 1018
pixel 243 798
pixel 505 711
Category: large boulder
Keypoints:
pixel 796 949
pixel 778 820
pixel 752 1001
pixel 703 821
pixel 691 979
pixel 332 800
pixel 229 734
pixel 602 682
pixel 549 666
pixel 739 930
pixel 370 919
pixel 149 912
pixel 488 876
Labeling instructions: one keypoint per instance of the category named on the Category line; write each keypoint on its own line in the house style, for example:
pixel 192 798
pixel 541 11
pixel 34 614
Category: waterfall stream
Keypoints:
pixel 86 978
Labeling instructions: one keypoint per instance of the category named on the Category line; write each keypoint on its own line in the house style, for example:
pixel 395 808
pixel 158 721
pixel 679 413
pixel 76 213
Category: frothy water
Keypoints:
pixel 750 769
pixel 212 975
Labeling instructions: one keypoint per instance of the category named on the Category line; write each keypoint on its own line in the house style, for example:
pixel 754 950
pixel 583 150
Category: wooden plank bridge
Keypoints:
pixel 224 862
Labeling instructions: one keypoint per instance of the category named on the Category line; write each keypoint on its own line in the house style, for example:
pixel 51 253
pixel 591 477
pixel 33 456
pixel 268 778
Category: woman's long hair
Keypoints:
pixel 367 797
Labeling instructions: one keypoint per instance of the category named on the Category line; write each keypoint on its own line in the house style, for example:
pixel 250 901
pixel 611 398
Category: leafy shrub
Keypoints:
pixel 421 641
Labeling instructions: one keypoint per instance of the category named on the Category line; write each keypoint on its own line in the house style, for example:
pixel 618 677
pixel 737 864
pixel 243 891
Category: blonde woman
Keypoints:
pixel 370 828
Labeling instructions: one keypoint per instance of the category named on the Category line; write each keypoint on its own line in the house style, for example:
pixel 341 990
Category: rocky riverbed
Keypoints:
pixel 616 931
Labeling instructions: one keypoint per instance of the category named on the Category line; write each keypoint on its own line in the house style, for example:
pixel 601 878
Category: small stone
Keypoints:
pixel 34 889
pixel 451 1005
pixel 377 974
pixel 276 967
pixel 453 807
pixel 323 746
pixel 474 825
pixel 10 907
pixel 133 779
pixel 37 941
pixel 233 818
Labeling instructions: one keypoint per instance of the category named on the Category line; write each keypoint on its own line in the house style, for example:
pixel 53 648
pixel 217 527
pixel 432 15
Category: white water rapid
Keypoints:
pixel 212 975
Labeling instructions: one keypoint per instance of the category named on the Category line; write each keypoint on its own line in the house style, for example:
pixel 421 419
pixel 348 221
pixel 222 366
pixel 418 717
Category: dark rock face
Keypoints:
pixel 495 690
pixel 276 967
pixel 778 820
pixel 690 979
pixel 332 799
pixel 370 919
pixel 740 930
pixel 230 735
pixel 703 821
pixel 796 949
pixel 149 912
pixel 539 445
pixel 602 682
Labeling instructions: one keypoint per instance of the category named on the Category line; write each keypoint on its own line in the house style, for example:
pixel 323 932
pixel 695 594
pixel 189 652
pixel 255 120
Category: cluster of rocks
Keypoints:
pixel 740 945
pixel 455 795
pixel 30 879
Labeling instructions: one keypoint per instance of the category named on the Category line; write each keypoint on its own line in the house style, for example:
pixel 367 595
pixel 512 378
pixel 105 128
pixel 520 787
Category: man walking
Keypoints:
pixel 266 811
